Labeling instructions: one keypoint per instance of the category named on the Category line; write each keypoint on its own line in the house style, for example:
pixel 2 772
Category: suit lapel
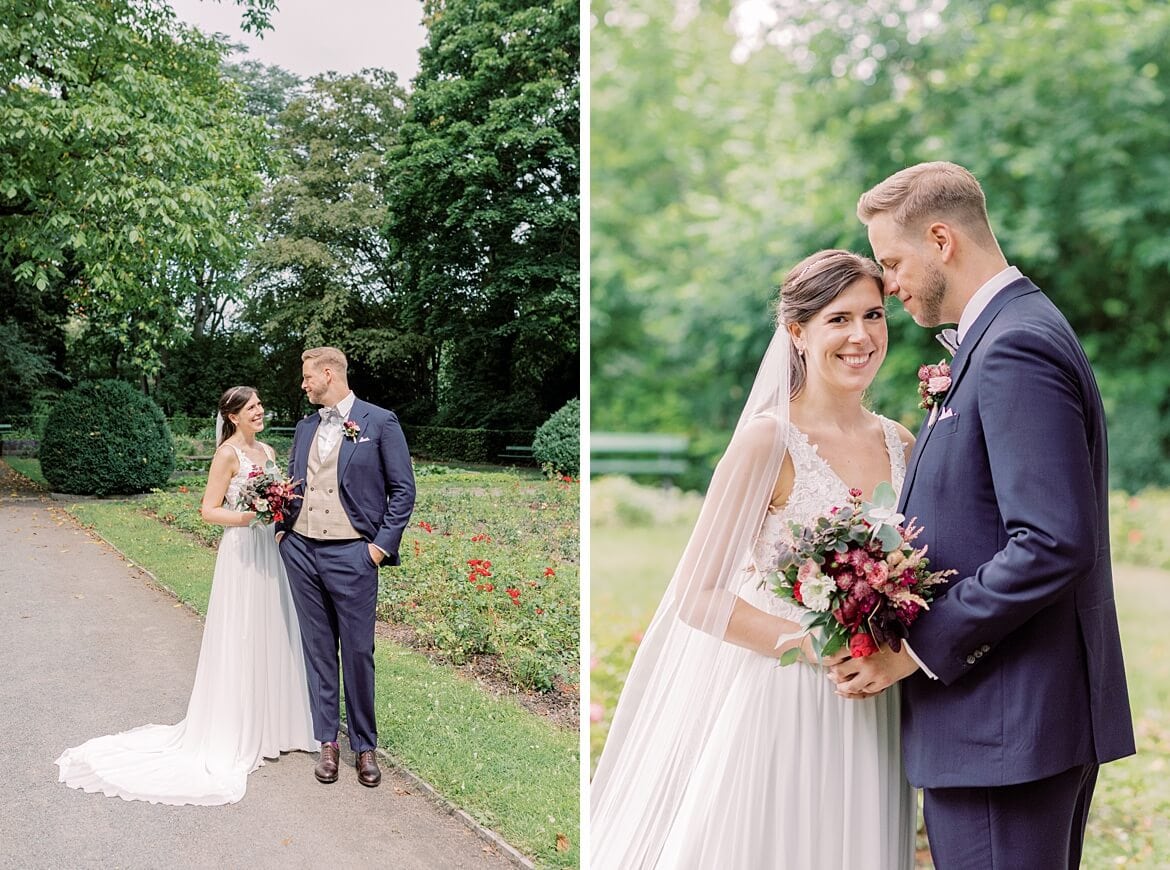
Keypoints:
pixel 1019 287
pixel 358 414
pixel 304 446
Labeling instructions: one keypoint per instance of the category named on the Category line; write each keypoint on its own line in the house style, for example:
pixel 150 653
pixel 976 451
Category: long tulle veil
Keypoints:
pixel 678 683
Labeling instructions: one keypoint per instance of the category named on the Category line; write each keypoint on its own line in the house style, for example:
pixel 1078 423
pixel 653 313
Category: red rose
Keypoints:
pixel 796 591
pixel 861 645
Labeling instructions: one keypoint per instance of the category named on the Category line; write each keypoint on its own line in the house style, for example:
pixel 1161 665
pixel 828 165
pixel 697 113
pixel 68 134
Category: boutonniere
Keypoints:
pixel 351 429
pixel 933 383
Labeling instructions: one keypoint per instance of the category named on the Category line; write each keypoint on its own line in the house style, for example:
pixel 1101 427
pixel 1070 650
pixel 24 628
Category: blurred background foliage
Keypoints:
pixel 728 140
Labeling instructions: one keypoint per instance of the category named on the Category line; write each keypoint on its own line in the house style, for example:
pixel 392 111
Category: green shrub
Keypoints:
pixel 103 438
pixel 443 444
pixel 557 445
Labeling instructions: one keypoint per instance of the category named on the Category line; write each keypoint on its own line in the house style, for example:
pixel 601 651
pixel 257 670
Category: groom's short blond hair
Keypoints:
pixel 929 192
pixel 329 357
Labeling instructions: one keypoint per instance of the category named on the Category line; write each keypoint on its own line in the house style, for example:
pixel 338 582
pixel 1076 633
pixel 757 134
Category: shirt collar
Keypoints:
pixel 344 406
pixel 983 297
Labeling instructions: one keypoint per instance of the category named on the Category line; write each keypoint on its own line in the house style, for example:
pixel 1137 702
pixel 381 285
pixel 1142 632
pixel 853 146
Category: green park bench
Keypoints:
pixel 517 453
pixel 638 453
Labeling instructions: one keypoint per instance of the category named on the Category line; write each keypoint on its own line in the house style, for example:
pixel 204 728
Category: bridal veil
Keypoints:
pixel 679 679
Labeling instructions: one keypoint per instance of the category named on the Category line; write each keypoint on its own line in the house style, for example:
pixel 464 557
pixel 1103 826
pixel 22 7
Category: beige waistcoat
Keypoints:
pixel 322 516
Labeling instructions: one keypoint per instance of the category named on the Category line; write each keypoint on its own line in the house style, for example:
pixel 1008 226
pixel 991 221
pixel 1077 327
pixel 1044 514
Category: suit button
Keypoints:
pixel 326 510
pixel 324 531
pixel 329 491
pixel 970 660
pixel 986 648
pixel 310 510
pixel 978 653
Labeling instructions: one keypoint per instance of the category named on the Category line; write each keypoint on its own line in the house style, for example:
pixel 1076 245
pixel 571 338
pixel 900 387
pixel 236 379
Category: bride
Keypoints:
pixel 250 697
pixel 718 756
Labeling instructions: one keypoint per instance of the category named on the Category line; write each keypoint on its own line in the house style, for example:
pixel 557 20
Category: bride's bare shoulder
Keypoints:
pixel 761 434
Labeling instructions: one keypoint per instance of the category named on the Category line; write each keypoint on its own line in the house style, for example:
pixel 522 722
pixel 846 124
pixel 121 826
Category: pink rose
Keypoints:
pixel 807 571
pixel 939 384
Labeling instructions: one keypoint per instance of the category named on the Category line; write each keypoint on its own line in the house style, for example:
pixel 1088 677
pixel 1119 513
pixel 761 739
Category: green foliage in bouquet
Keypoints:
pixel 557 445
pixel 104 438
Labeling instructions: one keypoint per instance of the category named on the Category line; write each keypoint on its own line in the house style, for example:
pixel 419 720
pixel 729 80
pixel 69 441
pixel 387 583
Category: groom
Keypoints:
pixel 1014 687
pixel 357 497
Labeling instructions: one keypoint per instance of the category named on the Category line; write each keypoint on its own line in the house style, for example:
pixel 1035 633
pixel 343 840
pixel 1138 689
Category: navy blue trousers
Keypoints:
pixel 335 588
pixel 1035 825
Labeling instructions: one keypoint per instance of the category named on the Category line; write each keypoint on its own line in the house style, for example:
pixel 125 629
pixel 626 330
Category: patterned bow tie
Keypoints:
pixel 330 415
pixel 949 338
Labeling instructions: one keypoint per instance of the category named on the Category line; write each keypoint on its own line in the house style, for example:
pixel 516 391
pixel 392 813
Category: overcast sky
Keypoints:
pixel 312 36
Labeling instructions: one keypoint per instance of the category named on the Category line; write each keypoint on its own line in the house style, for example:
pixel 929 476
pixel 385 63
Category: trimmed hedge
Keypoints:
pixel 443 444
pixel 557 445
pixel 106 438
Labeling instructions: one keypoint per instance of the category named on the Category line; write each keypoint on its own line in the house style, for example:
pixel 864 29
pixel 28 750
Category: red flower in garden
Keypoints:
pixel 475 539
pixel 550 572
pixel 513 593
pixel 489 587
pixel 539 612
pixel 425 526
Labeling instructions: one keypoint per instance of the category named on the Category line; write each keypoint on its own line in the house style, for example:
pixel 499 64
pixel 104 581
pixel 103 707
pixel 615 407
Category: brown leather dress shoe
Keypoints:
pixel 367 768
pixel 326 769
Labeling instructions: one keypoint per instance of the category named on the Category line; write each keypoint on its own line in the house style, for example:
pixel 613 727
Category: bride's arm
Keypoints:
pixel 756 629
pixel 754 472
pixel 224 465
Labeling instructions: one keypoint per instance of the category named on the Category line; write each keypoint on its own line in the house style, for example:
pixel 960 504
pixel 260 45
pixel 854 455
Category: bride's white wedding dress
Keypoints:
pixel 791 775
pixel 250 697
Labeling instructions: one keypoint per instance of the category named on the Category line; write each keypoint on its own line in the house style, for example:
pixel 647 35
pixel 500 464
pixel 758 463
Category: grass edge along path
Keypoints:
pixel 506 767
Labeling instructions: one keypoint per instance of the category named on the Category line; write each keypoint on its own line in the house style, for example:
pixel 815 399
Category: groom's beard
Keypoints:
pixel 930 298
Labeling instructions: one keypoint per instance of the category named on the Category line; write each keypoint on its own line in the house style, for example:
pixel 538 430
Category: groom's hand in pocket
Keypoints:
pixel 873 674
pixel 376 555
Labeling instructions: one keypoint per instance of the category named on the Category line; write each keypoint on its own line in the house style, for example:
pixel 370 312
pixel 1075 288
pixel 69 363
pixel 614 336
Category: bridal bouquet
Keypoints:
pixel 267 492
pixel 858 575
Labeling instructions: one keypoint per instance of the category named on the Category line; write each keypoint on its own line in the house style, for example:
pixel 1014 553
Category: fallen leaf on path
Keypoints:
pixel 286 841
pixel 398 790
pixel 562 843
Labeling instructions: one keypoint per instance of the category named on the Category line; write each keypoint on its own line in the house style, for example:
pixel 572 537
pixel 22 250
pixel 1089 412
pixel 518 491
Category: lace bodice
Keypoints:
pixel 816 489
pixel 237 482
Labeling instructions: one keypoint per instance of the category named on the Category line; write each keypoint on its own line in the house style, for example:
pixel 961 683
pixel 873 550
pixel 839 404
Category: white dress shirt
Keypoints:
pixel 983 297
pixel 329 430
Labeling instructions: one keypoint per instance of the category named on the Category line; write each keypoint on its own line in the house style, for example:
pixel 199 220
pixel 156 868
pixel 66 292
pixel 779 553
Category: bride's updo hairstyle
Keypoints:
pixel 232 402
pixel 812 285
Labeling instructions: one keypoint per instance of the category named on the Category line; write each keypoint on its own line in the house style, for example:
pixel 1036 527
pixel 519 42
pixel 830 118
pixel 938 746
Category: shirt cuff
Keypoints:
pixel 380 550
pixel 919 662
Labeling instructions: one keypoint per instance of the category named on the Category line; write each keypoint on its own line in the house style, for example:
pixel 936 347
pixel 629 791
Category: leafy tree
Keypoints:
pixel 27 369
pixel 485 206
pixel 127 163
pixel 324 272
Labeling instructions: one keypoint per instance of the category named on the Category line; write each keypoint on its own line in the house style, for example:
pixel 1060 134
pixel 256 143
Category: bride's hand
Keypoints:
pixel 808 653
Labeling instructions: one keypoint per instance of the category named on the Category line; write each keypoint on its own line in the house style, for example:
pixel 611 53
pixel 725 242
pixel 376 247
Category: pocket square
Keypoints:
pixel 363 440
pixel 946 412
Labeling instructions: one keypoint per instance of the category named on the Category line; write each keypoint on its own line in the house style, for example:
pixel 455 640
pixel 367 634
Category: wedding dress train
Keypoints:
pixel 249 700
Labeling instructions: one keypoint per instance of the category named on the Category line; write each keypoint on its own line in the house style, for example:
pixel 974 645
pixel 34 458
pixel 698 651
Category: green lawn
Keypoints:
pixel 509 768
pixel 631 565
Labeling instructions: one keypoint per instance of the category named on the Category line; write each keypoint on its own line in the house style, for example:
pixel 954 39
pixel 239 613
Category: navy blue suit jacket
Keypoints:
pixel 374 475
pixel 1012 488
